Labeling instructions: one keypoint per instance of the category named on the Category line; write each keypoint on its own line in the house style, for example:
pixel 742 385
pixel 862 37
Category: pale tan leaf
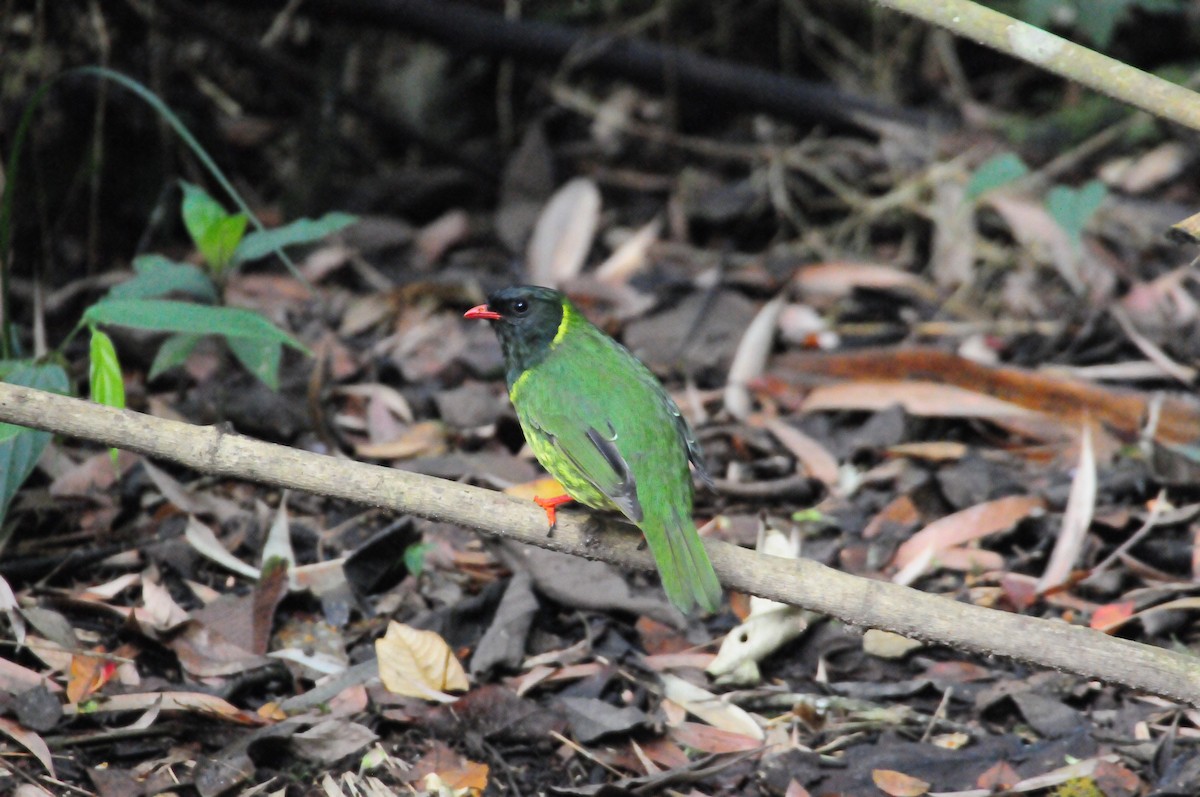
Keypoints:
pixel 563 234
pixel 750 359
pixel 710 708
pixel 928 399
pixel 840 278
pixel 442 233
pixel 424 438
pixel 897 784
pixel 952 260
pixel 31 741
pixel 278 544
pixel 418 664
pixel 161 608
pixel 630 257
pixel 188 702
pixel 1077 518
pixel 201 537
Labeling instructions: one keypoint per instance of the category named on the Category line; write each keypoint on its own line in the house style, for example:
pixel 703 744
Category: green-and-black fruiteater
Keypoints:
pixel 602 425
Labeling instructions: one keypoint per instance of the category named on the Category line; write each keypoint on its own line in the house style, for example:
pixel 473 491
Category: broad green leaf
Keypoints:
pixel 190 319
pixel 995 172
pixel 261 358
pixel 222 241
pixel 1073 208
pixel 157 276
pixel 21 449
pixel 107 386
pixel 215 232
pixel 200 211
pixel 301 231
pixel 173 351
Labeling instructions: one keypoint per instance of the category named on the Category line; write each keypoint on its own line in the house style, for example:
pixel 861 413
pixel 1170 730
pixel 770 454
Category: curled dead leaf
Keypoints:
pixel 418 664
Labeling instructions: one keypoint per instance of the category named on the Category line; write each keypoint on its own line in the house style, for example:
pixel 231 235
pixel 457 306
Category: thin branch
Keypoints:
pixel 857 601
pixel 715 82
pixel 1054 53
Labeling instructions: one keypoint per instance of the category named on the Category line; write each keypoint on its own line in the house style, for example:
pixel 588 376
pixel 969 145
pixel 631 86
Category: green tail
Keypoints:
pixel 687 575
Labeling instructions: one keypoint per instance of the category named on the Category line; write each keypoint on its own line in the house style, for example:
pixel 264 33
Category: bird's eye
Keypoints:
pixel 520 307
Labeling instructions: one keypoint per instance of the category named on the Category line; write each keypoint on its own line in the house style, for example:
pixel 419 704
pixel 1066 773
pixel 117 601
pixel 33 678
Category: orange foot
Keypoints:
pixel 551 506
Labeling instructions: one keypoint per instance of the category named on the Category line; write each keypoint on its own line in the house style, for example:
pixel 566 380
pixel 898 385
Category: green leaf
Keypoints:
pixel 261 358
pixel 173 351
pixel 107 385
pixel 1073 208
pixel 995 172
pixel 157 276
pixel 20 447
pixel 215 232
pixel 301 231
pixel 414 557
pixel 223 239
pixel 190 319
pixel 200 211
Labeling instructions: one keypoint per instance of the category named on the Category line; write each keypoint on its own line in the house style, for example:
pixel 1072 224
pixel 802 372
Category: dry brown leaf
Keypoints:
pixel 15 679
pixel 88 674
pixel 712 740
pixel 928 399
pixel 930 451
pixel 1068 400
pixel 816 458
pixel 190 702
pixel 31 741
pixel 161 608
pixel 418 664
pixel 970 524
pixel 436 237
pixel 897 784
pixel 563 234
pixel 1077 518
pixel 421 439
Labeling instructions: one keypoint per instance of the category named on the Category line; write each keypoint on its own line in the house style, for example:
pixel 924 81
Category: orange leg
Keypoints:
pixel 551 506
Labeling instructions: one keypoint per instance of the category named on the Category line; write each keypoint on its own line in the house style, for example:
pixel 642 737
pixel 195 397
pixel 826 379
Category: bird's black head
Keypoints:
pixel 526 319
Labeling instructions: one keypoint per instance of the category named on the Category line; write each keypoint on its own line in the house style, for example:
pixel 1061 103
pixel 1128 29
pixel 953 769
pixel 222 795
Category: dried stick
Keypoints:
pixel 855 600
pixel 1055 54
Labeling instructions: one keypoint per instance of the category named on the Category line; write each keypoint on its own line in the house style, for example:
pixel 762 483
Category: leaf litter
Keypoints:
pixel 882 359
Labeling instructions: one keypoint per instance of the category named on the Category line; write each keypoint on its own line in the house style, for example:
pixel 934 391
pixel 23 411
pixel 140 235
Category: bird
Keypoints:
pixel 604 427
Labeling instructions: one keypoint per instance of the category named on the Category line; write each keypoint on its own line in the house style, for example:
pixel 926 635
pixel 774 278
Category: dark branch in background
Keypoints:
pixel 302 84
pixel 801 582
pixel 700 79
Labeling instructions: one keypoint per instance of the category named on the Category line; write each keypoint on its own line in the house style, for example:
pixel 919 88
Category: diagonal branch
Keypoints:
pixel 857 601
pixel 1055 54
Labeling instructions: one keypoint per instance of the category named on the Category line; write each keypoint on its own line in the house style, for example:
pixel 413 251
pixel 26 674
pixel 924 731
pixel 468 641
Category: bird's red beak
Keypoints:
pixel 482 311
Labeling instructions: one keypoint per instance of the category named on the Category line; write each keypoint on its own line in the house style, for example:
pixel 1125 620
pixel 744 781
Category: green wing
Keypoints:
pixel 584 453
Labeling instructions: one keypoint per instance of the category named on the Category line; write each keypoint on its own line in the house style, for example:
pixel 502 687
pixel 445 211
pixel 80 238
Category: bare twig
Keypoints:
pixel 1055 54
pixel 800 582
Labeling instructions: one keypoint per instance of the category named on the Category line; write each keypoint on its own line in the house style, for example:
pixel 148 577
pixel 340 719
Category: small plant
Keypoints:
pixel 221 239
pixel 144 302
pixel 1071 208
